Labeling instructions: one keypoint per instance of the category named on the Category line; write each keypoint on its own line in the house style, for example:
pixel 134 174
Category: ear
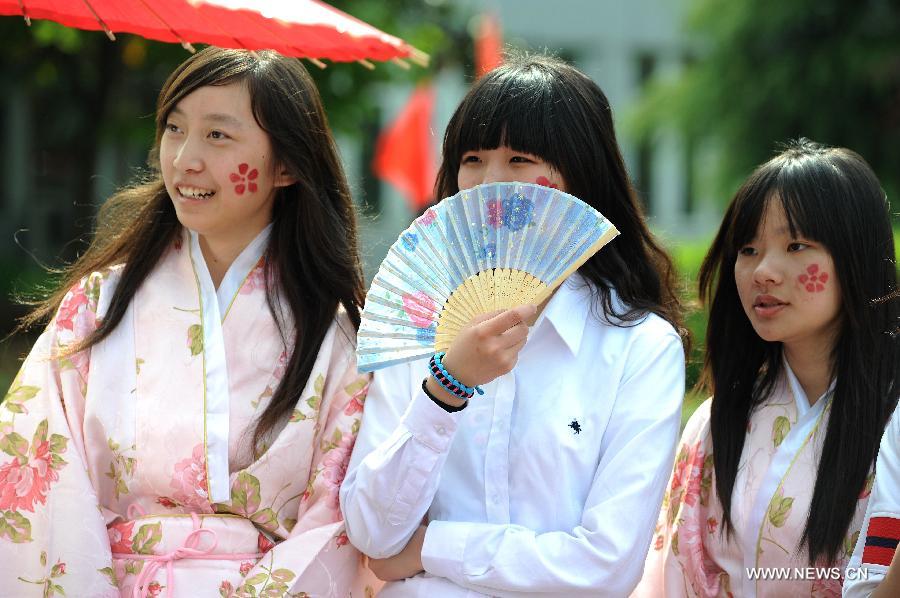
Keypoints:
pixel 283 178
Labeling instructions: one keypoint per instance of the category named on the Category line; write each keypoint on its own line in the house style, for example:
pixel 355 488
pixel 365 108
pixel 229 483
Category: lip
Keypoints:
pixel 767 306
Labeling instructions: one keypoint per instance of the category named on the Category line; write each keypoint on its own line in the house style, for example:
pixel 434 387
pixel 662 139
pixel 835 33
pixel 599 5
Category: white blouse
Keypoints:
pixel 548 484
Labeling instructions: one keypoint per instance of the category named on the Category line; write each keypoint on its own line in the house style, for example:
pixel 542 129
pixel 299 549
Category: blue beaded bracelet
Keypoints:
pixel 469 390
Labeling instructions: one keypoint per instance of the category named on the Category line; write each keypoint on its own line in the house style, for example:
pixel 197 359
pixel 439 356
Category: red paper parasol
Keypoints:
pixel 302 28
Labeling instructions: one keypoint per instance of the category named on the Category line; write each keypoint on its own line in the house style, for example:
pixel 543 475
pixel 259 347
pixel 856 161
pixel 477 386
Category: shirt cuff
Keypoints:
pixel 445 547
pixel 429 424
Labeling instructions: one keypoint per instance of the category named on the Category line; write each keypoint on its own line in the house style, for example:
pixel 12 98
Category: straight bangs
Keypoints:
pixel 208 68
pixel 507 113
pixel 805 207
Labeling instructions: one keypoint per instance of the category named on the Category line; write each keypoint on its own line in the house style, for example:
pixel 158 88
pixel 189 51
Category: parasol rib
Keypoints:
pixel 24 14
pixel 106 29
pixel 401 63
pixel 184 43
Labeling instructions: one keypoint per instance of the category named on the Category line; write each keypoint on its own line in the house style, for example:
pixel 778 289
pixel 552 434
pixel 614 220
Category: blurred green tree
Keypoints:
pixel 765 71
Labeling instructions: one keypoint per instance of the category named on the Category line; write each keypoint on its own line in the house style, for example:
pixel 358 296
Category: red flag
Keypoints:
pixel 488 44
pixel 404 155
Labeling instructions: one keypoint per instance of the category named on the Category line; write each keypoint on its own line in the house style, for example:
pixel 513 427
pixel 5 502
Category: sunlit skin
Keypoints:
pixel 503 164
pixel 788 290
pixel 219 171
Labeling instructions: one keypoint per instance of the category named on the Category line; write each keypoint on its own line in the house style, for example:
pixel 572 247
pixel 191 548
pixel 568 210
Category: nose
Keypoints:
pixel 768 271
pixel 496 172
pixel 187 157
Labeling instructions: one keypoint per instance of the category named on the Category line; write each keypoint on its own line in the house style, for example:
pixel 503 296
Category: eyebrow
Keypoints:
pixel 215 117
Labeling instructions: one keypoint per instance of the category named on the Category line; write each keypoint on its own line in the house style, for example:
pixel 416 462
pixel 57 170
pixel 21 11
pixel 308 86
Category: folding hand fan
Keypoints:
pixel 491 247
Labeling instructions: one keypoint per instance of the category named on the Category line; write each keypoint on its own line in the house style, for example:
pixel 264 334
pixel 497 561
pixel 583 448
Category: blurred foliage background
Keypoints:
pixel 759 71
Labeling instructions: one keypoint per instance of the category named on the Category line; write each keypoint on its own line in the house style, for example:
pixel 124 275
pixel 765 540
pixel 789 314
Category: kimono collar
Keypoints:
pixel 568 311
pixel 803 404
pixel 238 271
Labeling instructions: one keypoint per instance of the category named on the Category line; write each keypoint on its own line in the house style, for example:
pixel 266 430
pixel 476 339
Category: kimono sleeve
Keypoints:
pixel 53 539
pixel 317 558
pixel 675 561
pixel 880 530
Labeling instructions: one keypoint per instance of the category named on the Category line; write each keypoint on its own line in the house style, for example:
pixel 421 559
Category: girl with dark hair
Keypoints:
pixel 185 420
pixel 550 482
pixel 773 473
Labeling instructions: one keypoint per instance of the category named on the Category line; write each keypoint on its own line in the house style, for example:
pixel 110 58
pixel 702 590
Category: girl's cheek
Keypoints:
pixel 544 181
pixel 814 280
pixel 244 179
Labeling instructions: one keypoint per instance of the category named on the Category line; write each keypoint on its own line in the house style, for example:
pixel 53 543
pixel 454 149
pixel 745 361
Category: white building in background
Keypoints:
pixel 621 45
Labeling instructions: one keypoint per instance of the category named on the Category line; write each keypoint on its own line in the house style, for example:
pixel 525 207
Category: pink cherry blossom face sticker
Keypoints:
pixel 244 179
pixel 813 280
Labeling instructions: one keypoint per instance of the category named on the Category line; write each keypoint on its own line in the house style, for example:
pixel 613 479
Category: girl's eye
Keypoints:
pixel 218 135
pixel 470 159
pixel 521 160
pixel 747 251
pixel 170 128
pixel 797 246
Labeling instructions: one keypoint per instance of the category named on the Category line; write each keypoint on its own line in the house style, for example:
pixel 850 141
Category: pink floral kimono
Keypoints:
pixel 126 467
pixel 772 492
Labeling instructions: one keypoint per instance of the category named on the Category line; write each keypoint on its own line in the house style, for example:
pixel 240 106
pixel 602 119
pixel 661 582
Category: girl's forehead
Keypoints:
pixel 232 99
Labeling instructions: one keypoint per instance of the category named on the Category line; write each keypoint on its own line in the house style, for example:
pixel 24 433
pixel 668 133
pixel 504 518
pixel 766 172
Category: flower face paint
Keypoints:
pixel 813 280
pixel 244 179
pixel 545 182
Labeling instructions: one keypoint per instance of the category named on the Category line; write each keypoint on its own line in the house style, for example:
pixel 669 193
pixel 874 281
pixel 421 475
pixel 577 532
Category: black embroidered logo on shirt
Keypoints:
pixel 576 427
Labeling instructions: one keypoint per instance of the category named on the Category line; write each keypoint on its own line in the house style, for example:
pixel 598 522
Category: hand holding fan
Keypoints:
pixel 491 247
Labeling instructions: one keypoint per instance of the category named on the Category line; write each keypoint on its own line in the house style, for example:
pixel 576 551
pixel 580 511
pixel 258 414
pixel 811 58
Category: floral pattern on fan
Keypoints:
pixel 490 247
pixel 514 212
pixel 420 308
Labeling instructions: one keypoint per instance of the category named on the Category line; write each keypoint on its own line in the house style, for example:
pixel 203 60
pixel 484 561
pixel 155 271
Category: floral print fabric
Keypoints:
pixel 691 556
pixel 104 463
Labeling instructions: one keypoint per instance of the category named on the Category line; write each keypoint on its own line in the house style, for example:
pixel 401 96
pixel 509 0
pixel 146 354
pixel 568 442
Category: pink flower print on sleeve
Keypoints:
pixel 189 482
pixel 263 543
pixel 70 306
pixel 545 182
pixel 243 179
pixel 420 308
pixel 334 468
pixel 813 280
pixel 26 479
pixel 120 537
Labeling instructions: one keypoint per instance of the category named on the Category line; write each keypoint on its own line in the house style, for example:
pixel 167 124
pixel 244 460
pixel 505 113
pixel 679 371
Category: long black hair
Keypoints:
pixel 831 196
pixel 312 253
pixel 545 107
